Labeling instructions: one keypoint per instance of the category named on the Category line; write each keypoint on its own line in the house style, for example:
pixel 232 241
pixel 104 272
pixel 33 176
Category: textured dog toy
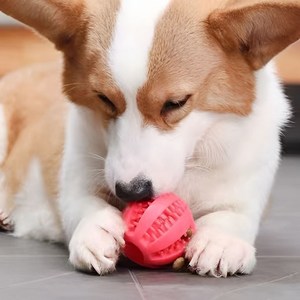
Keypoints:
pixel 157 231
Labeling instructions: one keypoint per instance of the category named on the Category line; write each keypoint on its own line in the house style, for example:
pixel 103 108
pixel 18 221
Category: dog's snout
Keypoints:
pixel 137 190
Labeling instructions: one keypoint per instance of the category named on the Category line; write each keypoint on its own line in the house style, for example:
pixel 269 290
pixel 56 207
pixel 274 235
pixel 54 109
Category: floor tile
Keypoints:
pixel 283 273
pixel 17 270
pixel 279 236
pixel 285 198
pixel 53 278
pixel 12 246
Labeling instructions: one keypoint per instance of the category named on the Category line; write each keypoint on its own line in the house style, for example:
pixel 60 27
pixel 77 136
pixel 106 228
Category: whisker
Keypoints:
pixel 97 173
pixel 89 155
pixel 208 155
pixel 68 87
pixel 73 83
pixel 97 156
pixel 198 167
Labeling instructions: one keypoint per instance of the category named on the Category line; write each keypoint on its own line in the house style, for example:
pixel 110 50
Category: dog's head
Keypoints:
pixel 160 73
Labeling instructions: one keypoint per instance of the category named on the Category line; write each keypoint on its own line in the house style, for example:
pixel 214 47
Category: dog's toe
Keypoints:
pixel 6 223
pixel 217 254
pixel 98 252
pixel 96 244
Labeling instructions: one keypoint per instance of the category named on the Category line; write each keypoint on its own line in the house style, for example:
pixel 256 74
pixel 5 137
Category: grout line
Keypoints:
pixel 137 285
pixel 255 285
pixel 277 256
pixel 31 256
pixel 37 280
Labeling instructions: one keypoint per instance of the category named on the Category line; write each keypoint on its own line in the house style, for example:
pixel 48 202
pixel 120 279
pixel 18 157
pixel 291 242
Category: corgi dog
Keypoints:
pixel 151 97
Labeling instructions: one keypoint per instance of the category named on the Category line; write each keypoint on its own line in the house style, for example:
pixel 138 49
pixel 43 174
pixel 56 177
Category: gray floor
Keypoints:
pixel 32 270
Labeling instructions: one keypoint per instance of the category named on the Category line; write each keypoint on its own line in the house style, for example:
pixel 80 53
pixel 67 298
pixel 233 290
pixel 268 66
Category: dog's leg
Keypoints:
pixel 223 243
pixel 5 222
pixel 94 229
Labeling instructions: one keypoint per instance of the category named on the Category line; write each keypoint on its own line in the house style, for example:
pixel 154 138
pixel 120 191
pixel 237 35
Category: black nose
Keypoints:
pixel 137 190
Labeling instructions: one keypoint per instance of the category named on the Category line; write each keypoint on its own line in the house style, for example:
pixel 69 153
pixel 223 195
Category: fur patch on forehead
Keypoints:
pixel 132 41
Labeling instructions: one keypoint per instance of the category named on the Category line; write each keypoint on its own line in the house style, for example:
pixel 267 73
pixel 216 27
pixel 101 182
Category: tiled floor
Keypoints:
pixel 32 270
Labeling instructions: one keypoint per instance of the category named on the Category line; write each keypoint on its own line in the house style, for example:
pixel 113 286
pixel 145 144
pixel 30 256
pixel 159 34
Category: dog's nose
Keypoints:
pixel 137 190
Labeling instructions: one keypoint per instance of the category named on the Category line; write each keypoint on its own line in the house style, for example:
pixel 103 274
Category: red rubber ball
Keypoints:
pixel 157 230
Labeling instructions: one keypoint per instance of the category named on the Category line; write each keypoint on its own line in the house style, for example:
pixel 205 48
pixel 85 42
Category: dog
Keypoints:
pixel 159 96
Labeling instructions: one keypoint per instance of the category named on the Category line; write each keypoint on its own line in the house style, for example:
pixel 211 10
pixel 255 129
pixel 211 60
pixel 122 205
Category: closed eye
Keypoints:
pixel 107 102
pixel 173 105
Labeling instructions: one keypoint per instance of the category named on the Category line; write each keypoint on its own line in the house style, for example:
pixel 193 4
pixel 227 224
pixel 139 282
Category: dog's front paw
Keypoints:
pixel 6 223
pixel 96 242
pixel 214 253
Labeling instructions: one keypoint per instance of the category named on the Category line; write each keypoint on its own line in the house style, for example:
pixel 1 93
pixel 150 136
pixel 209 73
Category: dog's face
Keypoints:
pixel 159 73
pixel 158 78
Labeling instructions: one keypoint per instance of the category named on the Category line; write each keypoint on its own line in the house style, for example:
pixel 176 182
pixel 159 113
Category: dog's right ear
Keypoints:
pixel 57 20
pixel 258 32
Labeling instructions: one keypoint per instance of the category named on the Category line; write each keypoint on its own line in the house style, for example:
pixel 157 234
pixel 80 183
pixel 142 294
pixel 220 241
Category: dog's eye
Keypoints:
pixel 107 102
pixel 172 105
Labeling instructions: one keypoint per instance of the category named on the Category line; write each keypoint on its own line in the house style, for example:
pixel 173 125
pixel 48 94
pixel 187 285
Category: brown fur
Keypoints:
pixel 58 20
pixel 187 60
pixel 36 110
pixel 251 32
pixel 35 120
pixel 86 71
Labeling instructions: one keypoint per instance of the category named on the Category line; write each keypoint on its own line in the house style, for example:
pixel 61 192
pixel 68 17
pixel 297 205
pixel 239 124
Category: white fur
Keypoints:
pixel 5 219
pixel 93 228
pixel 132 42
pixel 218 254
pixel 230 196
pixel 81 211
pixel 229 180
pixel 81 168
pixel 222 165
pixel 240 176
pixel 135 150
pixel 34 215
pixel 97 240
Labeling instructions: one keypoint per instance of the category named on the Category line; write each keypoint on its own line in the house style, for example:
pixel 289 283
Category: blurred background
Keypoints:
pixel 20 47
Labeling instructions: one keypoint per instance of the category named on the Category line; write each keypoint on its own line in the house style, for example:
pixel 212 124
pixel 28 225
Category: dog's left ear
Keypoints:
pixel 258 32
pixel 57 20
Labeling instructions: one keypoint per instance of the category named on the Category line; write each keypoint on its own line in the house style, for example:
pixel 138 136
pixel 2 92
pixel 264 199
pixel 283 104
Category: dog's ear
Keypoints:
pixel 258 32
pixel 57 20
